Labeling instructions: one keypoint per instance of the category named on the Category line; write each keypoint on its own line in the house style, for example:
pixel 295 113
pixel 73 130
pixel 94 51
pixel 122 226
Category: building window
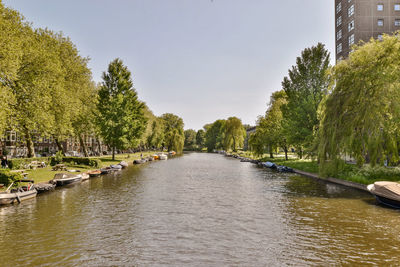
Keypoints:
pixel 396 7
pixel 350 11
pixel 380 22
pixel 380 37
pixel 13 136
pixel 339 21
pixel 351 25
pixel 339 35
pixel 351 40
pixel 339 7
pixel 339 48
pixel 397 22
pixel 379 7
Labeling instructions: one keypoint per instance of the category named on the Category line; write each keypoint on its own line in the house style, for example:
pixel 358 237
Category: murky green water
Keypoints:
pixel 200 210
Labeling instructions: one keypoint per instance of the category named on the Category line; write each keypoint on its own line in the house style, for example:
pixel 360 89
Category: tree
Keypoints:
pixel 214 135
pixel 121 119
pixel 305 87
pixel 234 134
pixel 269 133
pixel 200 138
pixel 174 136
pixel 361 116
pixel 11 44
pixel 156 138
pixel 190 138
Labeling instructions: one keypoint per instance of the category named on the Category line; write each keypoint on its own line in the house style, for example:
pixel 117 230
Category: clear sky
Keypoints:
pixel 200 59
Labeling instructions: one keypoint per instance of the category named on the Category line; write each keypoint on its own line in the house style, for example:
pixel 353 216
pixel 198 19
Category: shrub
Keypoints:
pixel 7 177
pixel 15 164
pixel 82 161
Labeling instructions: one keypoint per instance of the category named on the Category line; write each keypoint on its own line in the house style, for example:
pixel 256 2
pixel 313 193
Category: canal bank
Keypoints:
pixel 342 182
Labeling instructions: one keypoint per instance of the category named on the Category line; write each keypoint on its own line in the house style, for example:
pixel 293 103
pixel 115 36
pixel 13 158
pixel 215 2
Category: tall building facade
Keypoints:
pixel 357 20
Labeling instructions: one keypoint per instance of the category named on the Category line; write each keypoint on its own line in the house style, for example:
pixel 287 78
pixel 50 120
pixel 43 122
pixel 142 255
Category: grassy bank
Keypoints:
pixel 362 175
pixel 46 174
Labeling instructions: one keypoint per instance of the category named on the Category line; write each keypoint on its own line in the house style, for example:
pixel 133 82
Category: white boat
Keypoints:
pixel 61 179
pixel 19 194
pixel 163 157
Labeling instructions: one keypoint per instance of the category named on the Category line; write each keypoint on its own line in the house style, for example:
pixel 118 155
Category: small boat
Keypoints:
pixel 61 179
pixel 116 167
pixel 106 170
pixel 139 161
pixel 19 194
pixel 124 164
pixel 94 173
pixel 172 153
pixel 85 176
pixel 163 157
pixel 149 158
pixel 281 168
pixel 387 193
pixel 269 165
pixel 155 156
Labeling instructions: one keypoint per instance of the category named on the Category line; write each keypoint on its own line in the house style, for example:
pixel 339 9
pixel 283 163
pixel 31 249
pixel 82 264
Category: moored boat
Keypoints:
pixel 155 156
pixel 61 179
pixel 19 194
pixel 139 161
pixel 85 176
pixel 387 193
pixel 116 167
pixel 172 153
pixel 163 157
pixel 94 173
pixel 106 170
pixel 123 164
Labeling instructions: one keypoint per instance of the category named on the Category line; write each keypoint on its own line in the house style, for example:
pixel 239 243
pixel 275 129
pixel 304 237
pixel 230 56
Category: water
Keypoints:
pixel 200 210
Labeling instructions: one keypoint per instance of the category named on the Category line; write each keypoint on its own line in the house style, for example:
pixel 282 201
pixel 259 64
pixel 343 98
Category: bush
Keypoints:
pixel 15 164
pixel 7 177
pixel 81 161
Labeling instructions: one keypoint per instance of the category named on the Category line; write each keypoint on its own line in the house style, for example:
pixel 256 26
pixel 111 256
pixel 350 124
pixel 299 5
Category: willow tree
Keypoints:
pixel 361 116
pixel 214 136
pixel 174 136
pixel 156 138
pixel 120 119
pixel 234 134
pixel 305 86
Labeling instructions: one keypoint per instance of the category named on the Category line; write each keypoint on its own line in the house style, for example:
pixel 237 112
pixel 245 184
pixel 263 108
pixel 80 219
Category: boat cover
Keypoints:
pixel 389 190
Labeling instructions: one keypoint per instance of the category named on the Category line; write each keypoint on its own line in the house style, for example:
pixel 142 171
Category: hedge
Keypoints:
pixel 77 161
pixel 7 177
pixel 19 163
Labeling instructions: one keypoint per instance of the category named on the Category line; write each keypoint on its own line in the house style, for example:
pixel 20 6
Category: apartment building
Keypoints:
pixel 357 20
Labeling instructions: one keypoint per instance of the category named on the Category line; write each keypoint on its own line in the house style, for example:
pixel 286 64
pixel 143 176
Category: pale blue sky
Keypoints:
pixel 200 59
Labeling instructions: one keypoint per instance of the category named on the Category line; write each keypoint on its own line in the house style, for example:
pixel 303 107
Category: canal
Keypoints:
pixel 200 210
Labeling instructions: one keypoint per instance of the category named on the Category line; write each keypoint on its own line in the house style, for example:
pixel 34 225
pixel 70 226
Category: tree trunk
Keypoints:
pixel 59 146
pixel 99 144
pixel 29 144
pixel 113 153
pixel 83 145
pixel 300 153
pixel 286 151
pixel 271 152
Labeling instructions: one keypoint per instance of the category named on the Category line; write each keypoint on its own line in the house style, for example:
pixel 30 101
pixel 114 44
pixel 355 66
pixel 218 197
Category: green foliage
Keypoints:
pixel 121 117
pixel 190 138
pixel 305 87
pixel 7 177
pixel 57 158
pixel 174 136
pixel 200 138
pixel 234 134
pixel 21 163
pixel 82 161
pixel 269 133
pixel 361 116
pixel 214 135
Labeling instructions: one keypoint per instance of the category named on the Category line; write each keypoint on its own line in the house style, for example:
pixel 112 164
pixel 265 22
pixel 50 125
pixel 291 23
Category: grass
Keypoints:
pixel 350 172
pixel 46 174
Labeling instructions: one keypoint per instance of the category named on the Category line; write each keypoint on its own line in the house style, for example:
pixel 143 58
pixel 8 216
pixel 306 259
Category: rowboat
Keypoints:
pixel 94 173
pixel 19 194
pixel 163 157
pixel 386 193
pixel 123 164
pixel 61 179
